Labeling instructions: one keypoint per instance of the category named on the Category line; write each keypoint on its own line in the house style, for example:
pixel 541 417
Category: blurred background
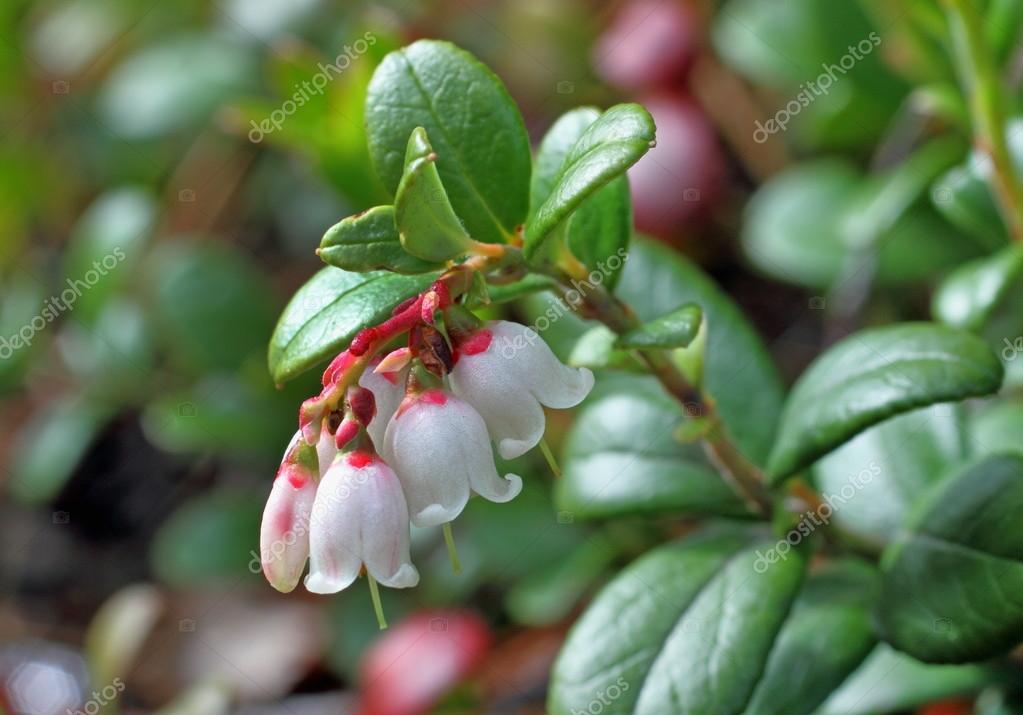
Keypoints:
pixel 167 170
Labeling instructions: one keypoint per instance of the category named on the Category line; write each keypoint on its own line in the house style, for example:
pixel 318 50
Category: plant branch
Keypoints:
pixel 743 475
pixel 980 79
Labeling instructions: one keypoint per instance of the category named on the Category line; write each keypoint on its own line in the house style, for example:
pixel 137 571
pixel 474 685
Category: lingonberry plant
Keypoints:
pixel 762 603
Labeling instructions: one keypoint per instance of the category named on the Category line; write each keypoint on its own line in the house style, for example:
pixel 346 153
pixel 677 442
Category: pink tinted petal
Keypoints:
pixel 335 538
pixel 388 389
pixel 284 532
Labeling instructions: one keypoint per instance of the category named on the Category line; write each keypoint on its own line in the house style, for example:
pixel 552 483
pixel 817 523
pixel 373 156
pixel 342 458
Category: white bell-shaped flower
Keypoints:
pixel 439 447
pixel 359 518
pixel 284 532
pixel 506 371
pixel 388 390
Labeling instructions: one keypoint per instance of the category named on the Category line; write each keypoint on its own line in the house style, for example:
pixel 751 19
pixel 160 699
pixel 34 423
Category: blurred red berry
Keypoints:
pixel 680 178
pixel 947 707
pixel 649 44
pixel 414 664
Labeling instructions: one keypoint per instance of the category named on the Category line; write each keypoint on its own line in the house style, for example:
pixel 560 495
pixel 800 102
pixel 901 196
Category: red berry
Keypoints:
pixel 649 44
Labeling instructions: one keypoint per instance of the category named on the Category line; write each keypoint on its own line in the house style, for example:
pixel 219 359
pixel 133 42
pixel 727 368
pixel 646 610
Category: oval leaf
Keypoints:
pixel 968 297
pixel 327 312
pixel 878 476
pixel 621 458
pixel 602 225
pixel 369 241
pixel 875 374
pixel 952 584
pixel 427 224
pixel 605 150
pixel 484 158
pixel 824 639
pixel 676 329
pixel 686 629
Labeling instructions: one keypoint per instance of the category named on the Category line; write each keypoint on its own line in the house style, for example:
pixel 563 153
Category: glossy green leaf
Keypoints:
pixel 875 374
pixel 604 151
pixel 672 330
pixel 889 681
pixel 214 307
pixel 968 297
pixel 532 283
pixel 997 428
pixel 427 224
pixel 602 225
pixel 738 371
pixel 326 313
pixel 483 151
pixel 953 582
pixel 621 458
pixel 822 221
pixel 596 349
pixel 369 241
pixel 964 195
pixel 686 629
pixel 825 638
pixel 877 477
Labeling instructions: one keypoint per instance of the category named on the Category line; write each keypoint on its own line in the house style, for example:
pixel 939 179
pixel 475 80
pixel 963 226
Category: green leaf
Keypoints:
pixel 427 224
pixel 952 583
pixel 821 221
pixel 825 638
pixel 604 151
pixel 326 313
pixel 889 681
pixel 875 374
pixel 877 477
pixel 968 297
pixel 686 629
pixel 369 241
pixel 602 225
pixel 997 428
pixel 215 307
pixel 738 371
pixel 673 330
pixel 596 349
pixel 532 283
pixel 964 196
pixel 483 151
pixel 620 458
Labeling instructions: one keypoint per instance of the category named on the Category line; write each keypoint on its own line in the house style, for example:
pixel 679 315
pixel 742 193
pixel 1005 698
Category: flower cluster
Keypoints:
pixel 400 436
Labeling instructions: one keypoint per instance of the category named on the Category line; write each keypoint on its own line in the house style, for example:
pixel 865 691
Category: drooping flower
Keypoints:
pixel 388 388
pixel 506 372
pixel 360 518
pixel 284 532
pixel 440 450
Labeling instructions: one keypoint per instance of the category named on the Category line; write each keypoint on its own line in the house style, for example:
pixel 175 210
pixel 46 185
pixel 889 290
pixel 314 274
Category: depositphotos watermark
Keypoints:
pixel 813 518
pixel 573 298
pixel 55 305
pixel 810 91
pixel 100 699
pixel 604 698
pixel 314 86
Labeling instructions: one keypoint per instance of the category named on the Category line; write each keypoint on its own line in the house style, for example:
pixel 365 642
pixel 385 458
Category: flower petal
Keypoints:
pixel 385 526
pixel 284 532
pixel 422 445
pixel 537 368
pixel 388 389
pixel 335 538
